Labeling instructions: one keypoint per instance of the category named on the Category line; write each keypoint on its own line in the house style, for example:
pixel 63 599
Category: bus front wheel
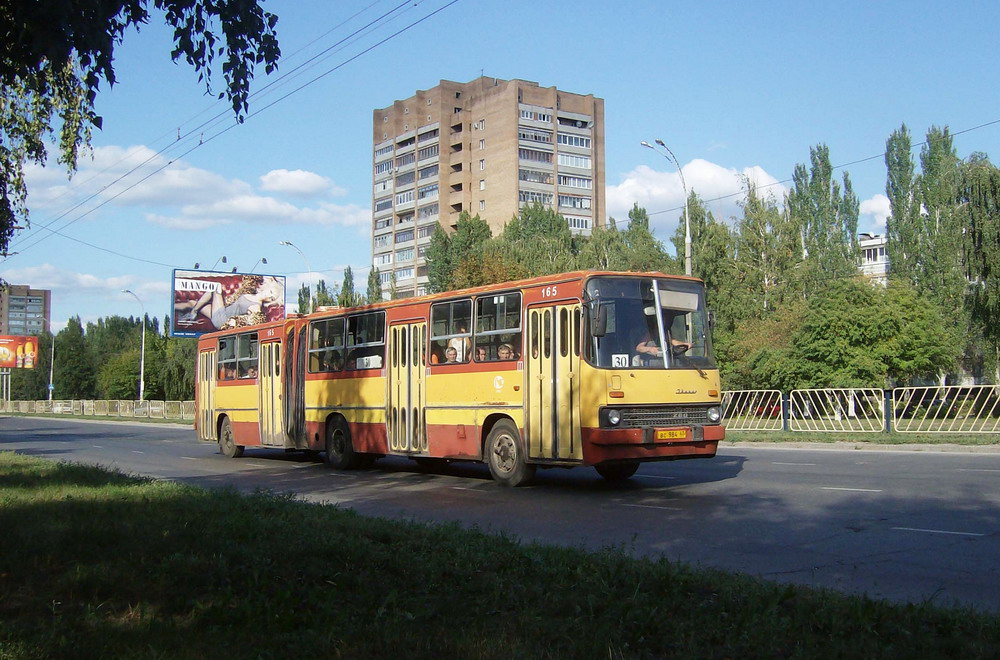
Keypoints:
pixel 505 455
pixel 227 444
pixel 617 471
pixel 340 452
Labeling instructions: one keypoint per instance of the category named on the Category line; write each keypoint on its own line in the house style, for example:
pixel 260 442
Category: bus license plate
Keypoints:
pixel 673 434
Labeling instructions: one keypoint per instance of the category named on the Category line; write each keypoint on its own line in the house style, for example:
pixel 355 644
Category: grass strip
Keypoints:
pixel 101 564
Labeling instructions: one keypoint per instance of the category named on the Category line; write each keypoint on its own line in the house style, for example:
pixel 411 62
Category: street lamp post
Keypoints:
pixel 301 254
pixel 687 223
pixel 142 350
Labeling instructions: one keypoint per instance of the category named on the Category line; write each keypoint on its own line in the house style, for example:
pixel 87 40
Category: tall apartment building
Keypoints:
pixel 488 147
pixel 23 310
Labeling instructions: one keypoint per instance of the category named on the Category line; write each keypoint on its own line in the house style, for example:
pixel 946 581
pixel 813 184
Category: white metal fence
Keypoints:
pixel 945 409
pixel 182 410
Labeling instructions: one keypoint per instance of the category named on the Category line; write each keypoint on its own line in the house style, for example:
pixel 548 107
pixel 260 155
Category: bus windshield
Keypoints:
pixel 630 319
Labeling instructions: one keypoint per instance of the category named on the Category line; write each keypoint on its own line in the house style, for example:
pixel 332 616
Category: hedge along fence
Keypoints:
pixel 183 410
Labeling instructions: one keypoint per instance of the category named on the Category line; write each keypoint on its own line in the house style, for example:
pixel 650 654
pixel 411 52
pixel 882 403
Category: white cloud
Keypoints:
pixel 662 193
pixel 258 209
pixel 300 183
pixel 879 208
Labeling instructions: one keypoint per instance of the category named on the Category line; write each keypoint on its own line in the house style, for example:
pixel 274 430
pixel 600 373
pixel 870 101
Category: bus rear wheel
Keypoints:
pixel 227 443
pixel 505 455
pixel 617 471
pixel 340 453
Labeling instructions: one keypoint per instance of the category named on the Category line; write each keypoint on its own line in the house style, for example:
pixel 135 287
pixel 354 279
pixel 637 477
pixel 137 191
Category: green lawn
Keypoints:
pixel 100 564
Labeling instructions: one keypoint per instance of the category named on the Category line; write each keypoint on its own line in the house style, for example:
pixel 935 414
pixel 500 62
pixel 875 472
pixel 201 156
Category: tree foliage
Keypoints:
pixel 55 55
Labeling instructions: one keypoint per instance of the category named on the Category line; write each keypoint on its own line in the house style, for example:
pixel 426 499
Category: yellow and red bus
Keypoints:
pixel 556 371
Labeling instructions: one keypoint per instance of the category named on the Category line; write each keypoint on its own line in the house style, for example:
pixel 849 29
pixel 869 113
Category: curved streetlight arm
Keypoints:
pixel 687 222
pixel 301 254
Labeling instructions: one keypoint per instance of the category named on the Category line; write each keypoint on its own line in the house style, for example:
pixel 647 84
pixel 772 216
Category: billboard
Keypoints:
pixel 18 352
pixel 206 301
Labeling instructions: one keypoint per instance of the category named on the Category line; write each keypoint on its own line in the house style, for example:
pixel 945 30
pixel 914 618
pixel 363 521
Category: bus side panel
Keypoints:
pixel 359 397
pixel 460 401
pixel 239 401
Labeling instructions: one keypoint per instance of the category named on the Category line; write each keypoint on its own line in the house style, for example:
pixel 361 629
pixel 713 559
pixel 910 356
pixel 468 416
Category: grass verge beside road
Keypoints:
pixel 96 563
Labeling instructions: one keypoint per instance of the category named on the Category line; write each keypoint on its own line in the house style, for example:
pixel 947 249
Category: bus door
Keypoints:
pixel 552 366
pixel 206 395
pixel 272 428
pixel 405 403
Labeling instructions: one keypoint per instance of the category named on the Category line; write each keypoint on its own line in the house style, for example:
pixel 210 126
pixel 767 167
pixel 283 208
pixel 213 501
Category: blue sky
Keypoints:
pixel 732 88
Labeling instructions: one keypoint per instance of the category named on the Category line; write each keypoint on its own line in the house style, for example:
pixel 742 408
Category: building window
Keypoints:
pixel 383 241
pixel 383 204
pixel 574 140
pixel 534 176
pixel 383 151
pixel 428 191
pixel 572 160
pixel 404 274
pixel 382 223
pixel 406 179
pixel 428 172
pixel 405 217
pixel 482 144
pixel 404 236
pixel 482 184
pixel 384 167
pixel 427 230
pixel 428 211
pixel 428 152
pixel 534 135
pixel 482 205
pixel 404 255
pixel 382 259
pixel 536 156
pixel 577 222
pixel 404 197
pixel 576 182
pixel 482 164
pixel 531 196
pixel 406 159
pixel 573 202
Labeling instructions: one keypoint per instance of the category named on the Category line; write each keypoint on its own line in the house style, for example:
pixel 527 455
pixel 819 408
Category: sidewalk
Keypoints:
pixel 868 446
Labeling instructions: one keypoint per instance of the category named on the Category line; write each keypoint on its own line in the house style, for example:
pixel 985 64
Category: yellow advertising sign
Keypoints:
pixel 18 352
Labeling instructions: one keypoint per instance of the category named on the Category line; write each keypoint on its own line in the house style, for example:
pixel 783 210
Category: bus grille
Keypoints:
pixel 663 416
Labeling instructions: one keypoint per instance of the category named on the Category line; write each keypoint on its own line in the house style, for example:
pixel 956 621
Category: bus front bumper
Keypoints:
pixel 643 444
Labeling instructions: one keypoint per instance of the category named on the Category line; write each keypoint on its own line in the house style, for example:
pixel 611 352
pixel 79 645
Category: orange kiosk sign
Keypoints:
pixel 18 352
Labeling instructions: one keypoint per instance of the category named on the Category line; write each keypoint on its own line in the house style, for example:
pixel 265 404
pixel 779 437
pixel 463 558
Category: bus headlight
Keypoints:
pixel 614 416
pixel 714 414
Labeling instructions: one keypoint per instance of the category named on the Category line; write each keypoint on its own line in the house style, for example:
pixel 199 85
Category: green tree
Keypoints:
pixel 305 296
pixel 118 375
pixel 605 249
pixel 323 297
pixel 537 242
pixel 903 223
pixel 456 260
pixel 438 258
pixel 33 384
pixel 348 296
pixel 75 376
pixel 826 214
pixel 373 293
pixel 643 251
pixel 979 204
pixel 55 56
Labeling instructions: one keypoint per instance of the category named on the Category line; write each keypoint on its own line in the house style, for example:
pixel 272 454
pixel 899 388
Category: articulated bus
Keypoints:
pixel 557 371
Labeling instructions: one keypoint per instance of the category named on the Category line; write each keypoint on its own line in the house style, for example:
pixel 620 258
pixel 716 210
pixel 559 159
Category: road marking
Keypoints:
pixel 852 490
pixel 188 458
pixel 136 451
pixel 655 476
pixel 652 506
pixel 777 463
pixel 976 470
pixel 256 464
pixel 97 446
pixel 936 531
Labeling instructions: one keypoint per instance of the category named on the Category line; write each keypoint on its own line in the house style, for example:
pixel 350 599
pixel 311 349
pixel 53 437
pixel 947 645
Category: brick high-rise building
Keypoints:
pixel 488 147
pixel 23 310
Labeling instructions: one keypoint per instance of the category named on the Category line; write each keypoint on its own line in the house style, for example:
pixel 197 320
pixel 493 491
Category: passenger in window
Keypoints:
pixel 482 355
pixel 505 352
pixel 252 372
pixel 450 355
pixel 462 345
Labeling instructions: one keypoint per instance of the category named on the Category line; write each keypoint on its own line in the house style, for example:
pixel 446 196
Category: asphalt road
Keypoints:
pixel 902 525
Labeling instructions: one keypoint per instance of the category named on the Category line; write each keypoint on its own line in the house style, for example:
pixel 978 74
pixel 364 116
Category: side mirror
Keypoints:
pixel 599 320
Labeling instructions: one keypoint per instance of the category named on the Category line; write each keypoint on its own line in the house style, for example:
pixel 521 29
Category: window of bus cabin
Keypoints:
pixel 451 330
pixel 498 327
pixel 326 345
pixel 246 356
pixel 227 358
pixel 366 341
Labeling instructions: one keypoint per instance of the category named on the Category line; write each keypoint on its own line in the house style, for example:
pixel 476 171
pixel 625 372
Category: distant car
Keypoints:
pixel 769 410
